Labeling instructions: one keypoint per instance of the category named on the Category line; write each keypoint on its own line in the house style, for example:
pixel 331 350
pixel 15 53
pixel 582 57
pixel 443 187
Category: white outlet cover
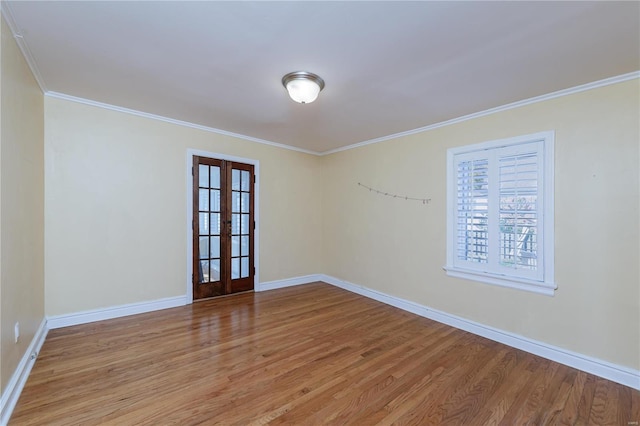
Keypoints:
pixel 16 330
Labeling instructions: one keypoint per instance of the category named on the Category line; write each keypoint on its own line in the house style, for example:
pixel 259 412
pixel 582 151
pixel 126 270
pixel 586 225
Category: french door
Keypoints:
pixel 223 227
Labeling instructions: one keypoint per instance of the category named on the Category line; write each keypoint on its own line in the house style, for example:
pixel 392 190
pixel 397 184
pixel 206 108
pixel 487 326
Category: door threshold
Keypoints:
pixel 223 296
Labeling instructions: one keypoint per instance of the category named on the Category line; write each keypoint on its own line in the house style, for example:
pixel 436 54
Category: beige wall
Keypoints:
pixel 21 205
pixel 116 207
pixel 398 247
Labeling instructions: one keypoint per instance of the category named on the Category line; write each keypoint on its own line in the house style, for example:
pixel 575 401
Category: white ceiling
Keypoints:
pixel 389 67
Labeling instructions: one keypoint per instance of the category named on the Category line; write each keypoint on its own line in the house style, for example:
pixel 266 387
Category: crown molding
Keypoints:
pixel 89 102
pixel 22 44
pixel 24 48
pixel 513 105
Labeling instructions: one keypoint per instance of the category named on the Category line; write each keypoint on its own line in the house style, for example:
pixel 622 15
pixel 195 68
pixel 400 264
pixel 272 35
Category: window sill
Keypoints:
pixel 545 288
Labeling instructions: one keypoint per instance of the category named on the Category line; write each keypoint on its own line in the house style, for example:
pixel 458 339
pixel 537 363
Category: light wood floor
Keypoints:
pixel 313 354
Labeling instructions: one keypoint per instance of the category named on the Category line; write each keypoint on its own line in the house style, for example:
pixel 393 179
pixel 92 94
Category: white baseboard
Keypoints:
pixel 616 373
pixel 272 285
pixel 85 317
pixel 619 374
pixel 21 374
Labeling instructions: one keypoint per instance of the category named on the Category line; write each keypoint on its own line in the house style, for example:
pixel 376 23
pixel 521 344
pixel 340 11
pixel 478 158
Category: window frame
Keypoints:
pixel 543 280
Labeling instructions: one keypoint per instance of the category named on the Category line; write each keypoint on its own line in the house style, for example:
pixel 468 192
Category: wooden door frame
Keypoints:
pixel 189 213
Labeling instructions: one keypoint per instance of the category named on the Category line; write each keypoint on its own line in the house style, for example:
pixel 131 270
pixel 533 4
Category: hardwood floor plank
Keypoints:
pixel 463 407
pixel 415 376
pixel 597 414
pixel 378 389
pixel 555 396
pixel 501 400
pixel 569 413
pixel 524 409
pixel 634 415
pixel 628 406
pixel 306 355
pixel 459 368
pixel 586 400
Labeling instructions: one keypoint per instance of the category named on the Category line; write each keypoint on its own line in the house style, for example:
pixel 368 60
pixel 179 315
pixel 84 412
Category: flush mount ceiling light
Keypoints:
pixel 303 87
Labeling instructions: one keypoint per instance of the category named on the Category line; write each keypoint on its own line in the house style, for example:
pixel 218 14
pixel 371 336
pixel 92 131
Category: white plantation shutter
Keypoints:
pixel 519 209
pixel 496 210
pixel 472 177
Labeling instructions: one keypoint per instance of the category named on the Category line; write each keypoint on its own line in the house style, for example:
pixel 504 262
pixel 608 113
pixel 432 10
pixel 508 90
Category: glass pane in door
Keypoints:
pixel 235 268
pixel 240 223
pixel 209 223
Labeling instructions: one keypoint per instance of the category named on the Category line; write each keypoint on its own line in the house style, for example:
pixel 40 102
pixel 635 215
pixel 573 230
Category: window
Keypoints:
pixel 500 212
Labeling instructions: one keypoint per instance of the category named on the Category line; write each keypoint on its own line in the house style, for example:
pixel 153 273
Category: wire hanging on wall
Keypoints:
pixel 389 194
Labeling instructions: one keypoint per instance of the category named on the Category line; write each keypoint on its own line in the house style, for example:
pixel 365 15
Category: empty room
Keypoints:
pixel 312 213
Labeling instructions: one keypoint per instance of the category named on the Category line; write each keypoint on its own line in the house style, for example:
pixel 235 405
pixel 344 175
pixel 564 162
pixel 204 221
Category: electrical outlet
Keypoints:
pixel 16 331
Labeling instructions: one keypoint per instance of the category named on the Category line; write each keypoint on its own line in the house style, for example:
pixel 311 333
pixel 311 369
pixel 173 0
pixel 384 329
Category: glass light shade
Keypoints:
pixel 303 87
pixel 303 91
